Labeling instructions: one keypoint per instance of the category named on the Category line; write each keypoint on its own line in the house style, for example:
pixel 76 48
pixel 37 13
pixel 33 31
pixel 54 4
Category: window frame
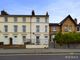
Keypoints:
pixel 15 19
pixel 24 29
pixel 5 28
pixel 46 20
pixel 46 28
pixel 54 28
pixel 37 28
pixel 37 19
pixel 24 39
pixel 15 28
pixel 6 19
pixel 24 19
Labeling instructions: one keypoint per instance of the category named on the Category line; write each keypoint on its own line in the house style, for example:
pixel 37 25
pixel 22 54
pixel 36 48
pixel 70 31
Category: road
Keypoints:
pixel 39 57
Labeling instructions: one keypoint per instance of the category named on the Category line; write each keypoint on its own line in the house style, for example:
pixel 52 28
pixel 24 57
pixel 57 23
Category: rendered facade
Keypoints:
pixel 18 31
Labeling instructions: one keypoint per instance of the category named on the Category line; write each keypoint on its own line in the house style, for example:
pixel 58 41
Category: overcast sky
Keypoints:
pixel 58 9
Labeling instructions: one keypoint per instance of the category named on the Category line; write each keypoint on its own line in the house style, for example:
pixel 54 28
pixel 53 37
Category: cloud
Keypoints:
pixel 59 10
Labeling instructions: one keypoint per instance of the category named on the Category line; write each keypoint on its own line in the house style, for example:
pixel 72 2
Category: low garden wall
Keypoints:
pixel 36 46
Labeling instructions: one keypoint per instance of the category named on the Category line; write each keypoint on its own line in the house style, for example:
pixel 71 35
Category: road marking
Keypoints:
pixel 33 54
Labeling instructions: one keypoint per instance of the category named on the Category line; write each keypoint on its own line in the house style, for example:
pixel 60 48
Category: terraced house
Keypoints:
pixel 24 31
pixel 66 25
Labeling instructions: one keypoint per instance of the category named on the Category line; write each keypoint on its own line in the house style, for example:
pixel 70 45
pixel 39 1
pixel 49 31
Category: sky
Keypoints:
pixel 57 9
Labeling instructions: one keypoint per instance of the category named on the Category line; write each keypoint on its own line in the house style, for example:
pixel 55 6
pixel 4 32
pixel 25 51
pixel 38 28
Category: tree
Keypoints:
pixel 67 38
pixel 58 38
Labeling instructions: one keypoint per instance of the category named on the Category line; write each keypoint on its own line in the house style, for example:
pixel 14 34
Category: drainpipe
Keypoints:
pixel 30 29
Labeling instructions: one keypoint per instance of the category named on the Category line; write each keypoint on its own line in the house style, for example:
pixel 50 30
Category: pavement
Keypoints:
pixel 39 51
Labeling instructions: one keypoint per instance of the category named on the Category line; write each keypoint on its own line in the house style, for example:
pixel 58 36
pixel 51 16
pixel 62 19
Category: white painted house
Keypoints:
pixel 28 31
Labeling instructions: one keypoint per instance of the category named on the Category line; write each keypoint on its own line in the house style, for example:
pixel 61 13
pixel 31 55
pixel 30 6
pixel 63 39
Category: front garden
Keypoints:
pixel 68 39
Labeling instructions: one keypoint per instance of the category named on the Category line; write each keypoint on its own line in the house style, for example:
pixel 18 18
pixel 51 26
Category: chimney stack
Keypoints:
pixel 75 20
pixel 47 14
pixel 33 13
pixel 4 12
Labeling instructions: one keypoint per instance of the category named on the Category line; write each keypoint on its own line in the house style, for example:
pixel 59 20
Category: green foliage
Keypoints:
pixel 67 38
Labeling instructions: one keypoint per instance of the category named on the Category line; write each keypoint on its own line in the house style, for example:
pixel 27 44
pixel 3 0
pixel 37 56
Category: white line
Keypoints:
pixel 33 54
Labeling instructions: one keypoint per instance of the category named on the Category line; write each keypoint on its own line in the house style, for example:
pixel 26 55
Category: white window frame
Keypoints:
pixel 24 39
pixel 46 28
pixel 37 28
pixel 24 28
pixel 6 19
pixel 54 28
pixel 15 19
pixel 15 28
pixel 46 20
pixel 24 19
pixel 37 19
pixel 5 28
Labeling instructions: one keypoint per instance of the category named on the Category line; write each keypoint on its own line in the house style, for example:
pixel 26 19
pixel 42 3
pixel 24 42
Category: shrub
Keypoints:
pixel 67 38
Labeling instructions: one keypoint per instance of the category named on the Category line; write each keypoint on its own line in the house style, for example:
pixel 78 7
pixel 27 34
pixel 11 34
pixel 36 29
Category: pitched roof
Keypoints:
pixel 61 23
pixel 4 13
pixel 24 16
pixel 78 24
pixel 53 24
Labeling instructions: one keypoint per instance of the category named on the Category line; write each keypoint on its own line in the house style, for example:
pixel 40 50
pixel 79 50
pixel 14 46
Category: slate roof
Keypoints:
pixel 24 15
pixel 61 23
pixel 54 24
pixel 78 24
pixel 4 13
pixel 66 19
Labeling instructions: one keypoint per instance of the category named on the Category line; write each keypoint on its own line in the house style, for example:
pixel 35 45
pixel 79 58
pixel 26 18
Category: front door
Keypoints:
pixel 1 44
pixel 10 41
pixel 37 40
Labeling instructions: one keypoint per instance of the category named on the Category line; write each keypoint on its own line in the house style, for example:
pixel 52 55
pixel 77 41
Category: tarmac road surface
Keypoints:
pixel 39 57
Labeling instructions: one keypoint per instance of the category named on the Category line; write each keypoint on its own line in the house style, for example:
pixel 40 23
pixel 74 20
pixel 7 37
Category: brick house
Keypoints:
pixel 68 24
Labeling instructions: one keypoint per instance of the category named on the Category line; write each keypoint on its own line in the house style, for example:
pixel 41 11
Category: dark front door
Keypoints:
pixel 37 40
pixel 1 44
pixel 10 41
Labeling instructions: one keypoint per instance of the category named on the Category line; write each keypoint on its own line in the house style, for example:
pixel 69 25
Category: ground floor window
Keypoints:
pixel 6 36
pixel 46 36
pixel 24 38
pixel 38 40
pixel 15 36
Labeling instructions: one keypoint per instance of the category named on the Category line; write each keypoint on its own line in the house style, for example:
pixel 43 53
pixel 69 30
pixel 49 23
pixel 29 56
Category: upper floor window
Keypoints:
pixel 37 28
pixel 46 28
pixel 15 28
pixel 37 19
pixel 24 28
pixel 46 20
pixel 54 28
pixel 15 19
pixel 24 19
pixel 6 19
pixel 5 28
pixel 67 28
